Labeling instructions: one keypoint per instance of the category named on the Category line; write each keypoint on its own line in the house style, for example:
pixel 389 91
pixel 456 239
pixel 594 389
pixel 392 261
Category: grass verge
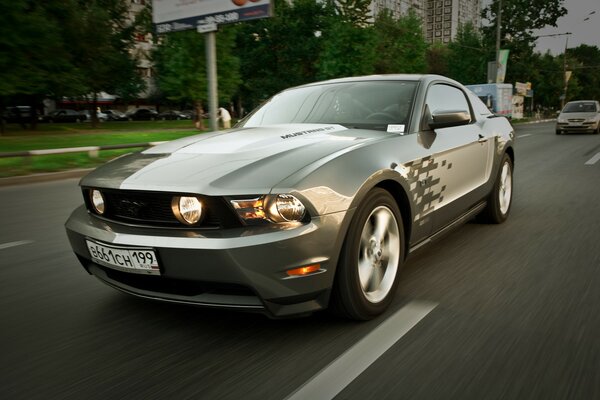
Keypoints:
pixel 66 135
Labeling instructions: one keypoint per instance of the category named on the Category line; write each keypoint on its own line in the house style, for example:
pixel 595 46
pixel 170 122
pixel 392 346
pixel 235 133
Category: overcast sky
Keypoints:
pixel 583 32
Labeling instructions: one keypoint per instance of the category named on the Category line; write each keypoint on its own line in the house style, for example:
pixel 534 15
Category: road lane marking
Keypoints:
pixel 332 379
pixel 593 160
pixel 14 244
pixel 525 135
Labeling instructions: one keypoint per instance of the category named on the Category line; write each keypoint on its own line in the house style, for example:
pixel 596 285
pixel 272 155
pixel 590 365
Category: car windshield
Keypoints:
pixel 580 107
pixel 367 105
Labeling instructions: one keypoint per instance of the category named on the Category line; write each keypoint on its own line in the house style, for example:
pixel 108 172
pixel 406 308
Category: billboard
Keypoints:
pixel 179 15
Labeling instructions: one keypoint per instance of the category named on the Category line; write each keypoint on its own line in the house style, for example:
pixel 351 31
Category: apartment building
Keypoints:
pixel 441 18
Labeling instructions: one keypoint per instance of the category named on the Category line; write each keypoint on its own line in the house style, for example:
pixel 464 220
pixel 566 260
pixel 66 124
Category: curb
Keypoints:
pixel 539 121
pixel 46 177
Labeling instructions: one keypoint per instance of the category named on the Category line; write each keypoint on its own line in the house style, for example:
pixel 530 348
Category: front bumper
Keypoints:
pixel 243 268
pixel 586 127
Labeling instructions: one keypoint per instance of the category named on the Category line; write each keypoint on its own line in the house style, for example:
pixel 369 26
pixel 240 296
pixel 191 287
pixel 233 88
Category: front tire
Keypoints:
pixel 500 199
pixel 371 259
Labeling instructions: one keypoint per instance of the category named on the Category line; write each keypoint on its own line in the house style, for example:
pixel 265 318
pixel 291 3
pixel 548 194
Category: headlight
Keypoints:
pixel 562 120
pixel 287 208
pixel 97 201
pixel 187 210
pixel 270 208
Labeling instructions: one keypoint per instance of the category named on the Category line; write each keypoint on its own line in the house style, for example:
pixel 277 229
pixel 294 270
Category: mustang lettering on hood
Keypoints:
pixel 246 160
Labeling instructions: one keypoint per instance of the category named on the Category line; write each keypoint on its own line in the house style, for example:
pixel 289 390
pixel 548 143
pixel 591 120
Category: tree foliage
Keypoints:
pixel 281 51
pixel 399 44
pixel 468 58
pixel 519 20
pixel 521 17
pixel 180 63
pixel 584 61
pixel 62 48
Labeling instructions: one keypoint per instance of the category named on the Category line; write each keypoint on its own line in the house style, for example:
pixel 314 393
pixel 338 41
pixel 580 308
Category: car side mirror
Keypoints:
pixel 448 118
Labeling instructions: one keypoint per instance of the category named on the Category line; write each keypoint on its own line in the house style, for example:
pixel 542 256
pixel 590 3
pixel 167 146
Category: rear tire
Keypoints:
pixel 371 259
pixel 499 201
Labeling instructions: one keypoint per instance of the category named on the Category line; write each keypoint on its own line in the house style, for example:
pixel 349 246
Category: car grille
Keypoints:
pixel 576 120
pixel 154 209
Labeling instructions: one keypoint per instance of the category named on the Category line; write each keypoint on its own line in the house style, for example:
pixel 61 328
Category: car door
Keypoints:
pixel 460 156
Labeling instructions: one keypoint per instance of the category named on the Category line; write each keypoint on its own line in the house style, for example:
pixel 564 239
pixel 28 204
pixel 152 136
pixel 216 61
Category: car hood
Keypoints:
pixel 578 115
pixel 238 161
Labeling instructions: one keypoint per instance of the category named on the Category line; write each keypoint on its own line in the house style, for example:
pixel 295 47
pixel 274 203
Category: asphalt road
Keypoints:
pixel 515 310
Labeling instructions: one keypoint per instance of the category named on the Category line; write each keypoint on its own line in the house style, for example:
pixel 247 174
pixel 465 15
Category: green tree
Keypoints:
pixel 281 51
pixel 400 45
pixel 584 61
pixel 438 56
pixel 519 20
pixel 546 80
pixel 100 37
pixel 467 61
pixel 34 61
pixel 348 41
pixel 180 64
pixel 521 17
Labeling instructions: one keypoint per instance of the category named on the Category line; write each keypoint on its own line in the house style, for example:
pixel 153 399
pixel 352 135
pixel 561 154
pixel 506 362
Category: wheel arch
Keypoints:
pixel 511 153
pixel 399 194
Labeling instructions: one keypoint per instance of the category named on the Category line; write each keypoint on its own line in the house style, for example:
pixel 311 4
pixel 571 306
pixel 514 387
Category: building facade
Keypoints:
pixel 441 18
pixel 397 7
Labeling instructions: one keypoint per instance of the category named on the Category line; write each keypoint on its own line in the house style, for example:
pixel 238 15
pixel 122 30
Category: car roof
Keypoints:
pixel 424 78
pixel 582 101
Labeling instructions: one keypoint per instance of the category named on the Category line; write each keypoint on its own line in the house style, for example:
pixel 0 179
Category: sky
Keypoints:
pixel 583 32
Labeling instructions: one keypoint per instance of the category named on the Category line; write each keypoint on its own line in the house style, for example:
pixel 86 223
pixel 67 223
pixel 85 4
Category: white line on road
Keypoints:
pixel 14 244
pixel 342 371
pixel 525 135
pixel 593 160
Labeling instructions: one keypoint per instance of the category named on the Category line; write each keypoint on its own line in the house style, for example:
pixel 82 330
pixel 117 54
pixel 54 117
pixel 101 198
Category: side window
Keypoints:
pixel 479 108
pixel 446 97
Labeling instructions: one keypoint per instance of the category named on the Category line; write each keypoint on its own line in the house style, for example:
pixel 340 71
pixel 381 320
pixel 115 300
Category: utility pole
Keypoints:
pixel 564 98
pixel 498 33
pixel 211 69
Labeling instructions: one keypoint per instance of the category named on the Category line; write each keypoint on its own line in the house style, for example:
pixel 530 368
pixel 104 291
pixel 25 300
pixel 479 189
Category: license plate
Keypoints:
pixel 130 259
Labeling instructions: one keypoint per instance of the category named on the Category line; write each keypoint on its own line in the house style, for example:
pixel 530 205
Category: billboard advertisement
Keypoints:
pixel 502 62
pixel 179 15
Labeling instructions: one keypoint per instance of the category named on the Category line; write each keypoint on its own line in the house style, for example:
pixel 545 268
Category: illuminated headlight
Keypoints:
pixel 97 201
pixel 187 209
pixel 272 208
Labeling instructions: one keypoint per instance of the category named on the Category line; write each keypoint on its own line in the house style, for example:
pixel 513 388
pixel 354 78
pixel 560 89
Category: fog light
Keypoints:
pixel 97 201
pixel 309 269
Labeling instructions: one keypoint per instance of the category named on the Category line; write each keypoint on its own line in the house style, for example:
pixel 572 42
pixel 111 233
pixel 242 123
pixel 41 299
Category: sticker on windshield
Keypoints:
pixel 395 128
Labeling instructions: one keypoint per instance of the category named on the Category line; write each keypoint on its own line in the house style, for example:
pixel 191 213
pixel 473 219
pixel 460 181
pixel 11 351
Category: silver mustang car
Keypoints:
pixel 315 199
